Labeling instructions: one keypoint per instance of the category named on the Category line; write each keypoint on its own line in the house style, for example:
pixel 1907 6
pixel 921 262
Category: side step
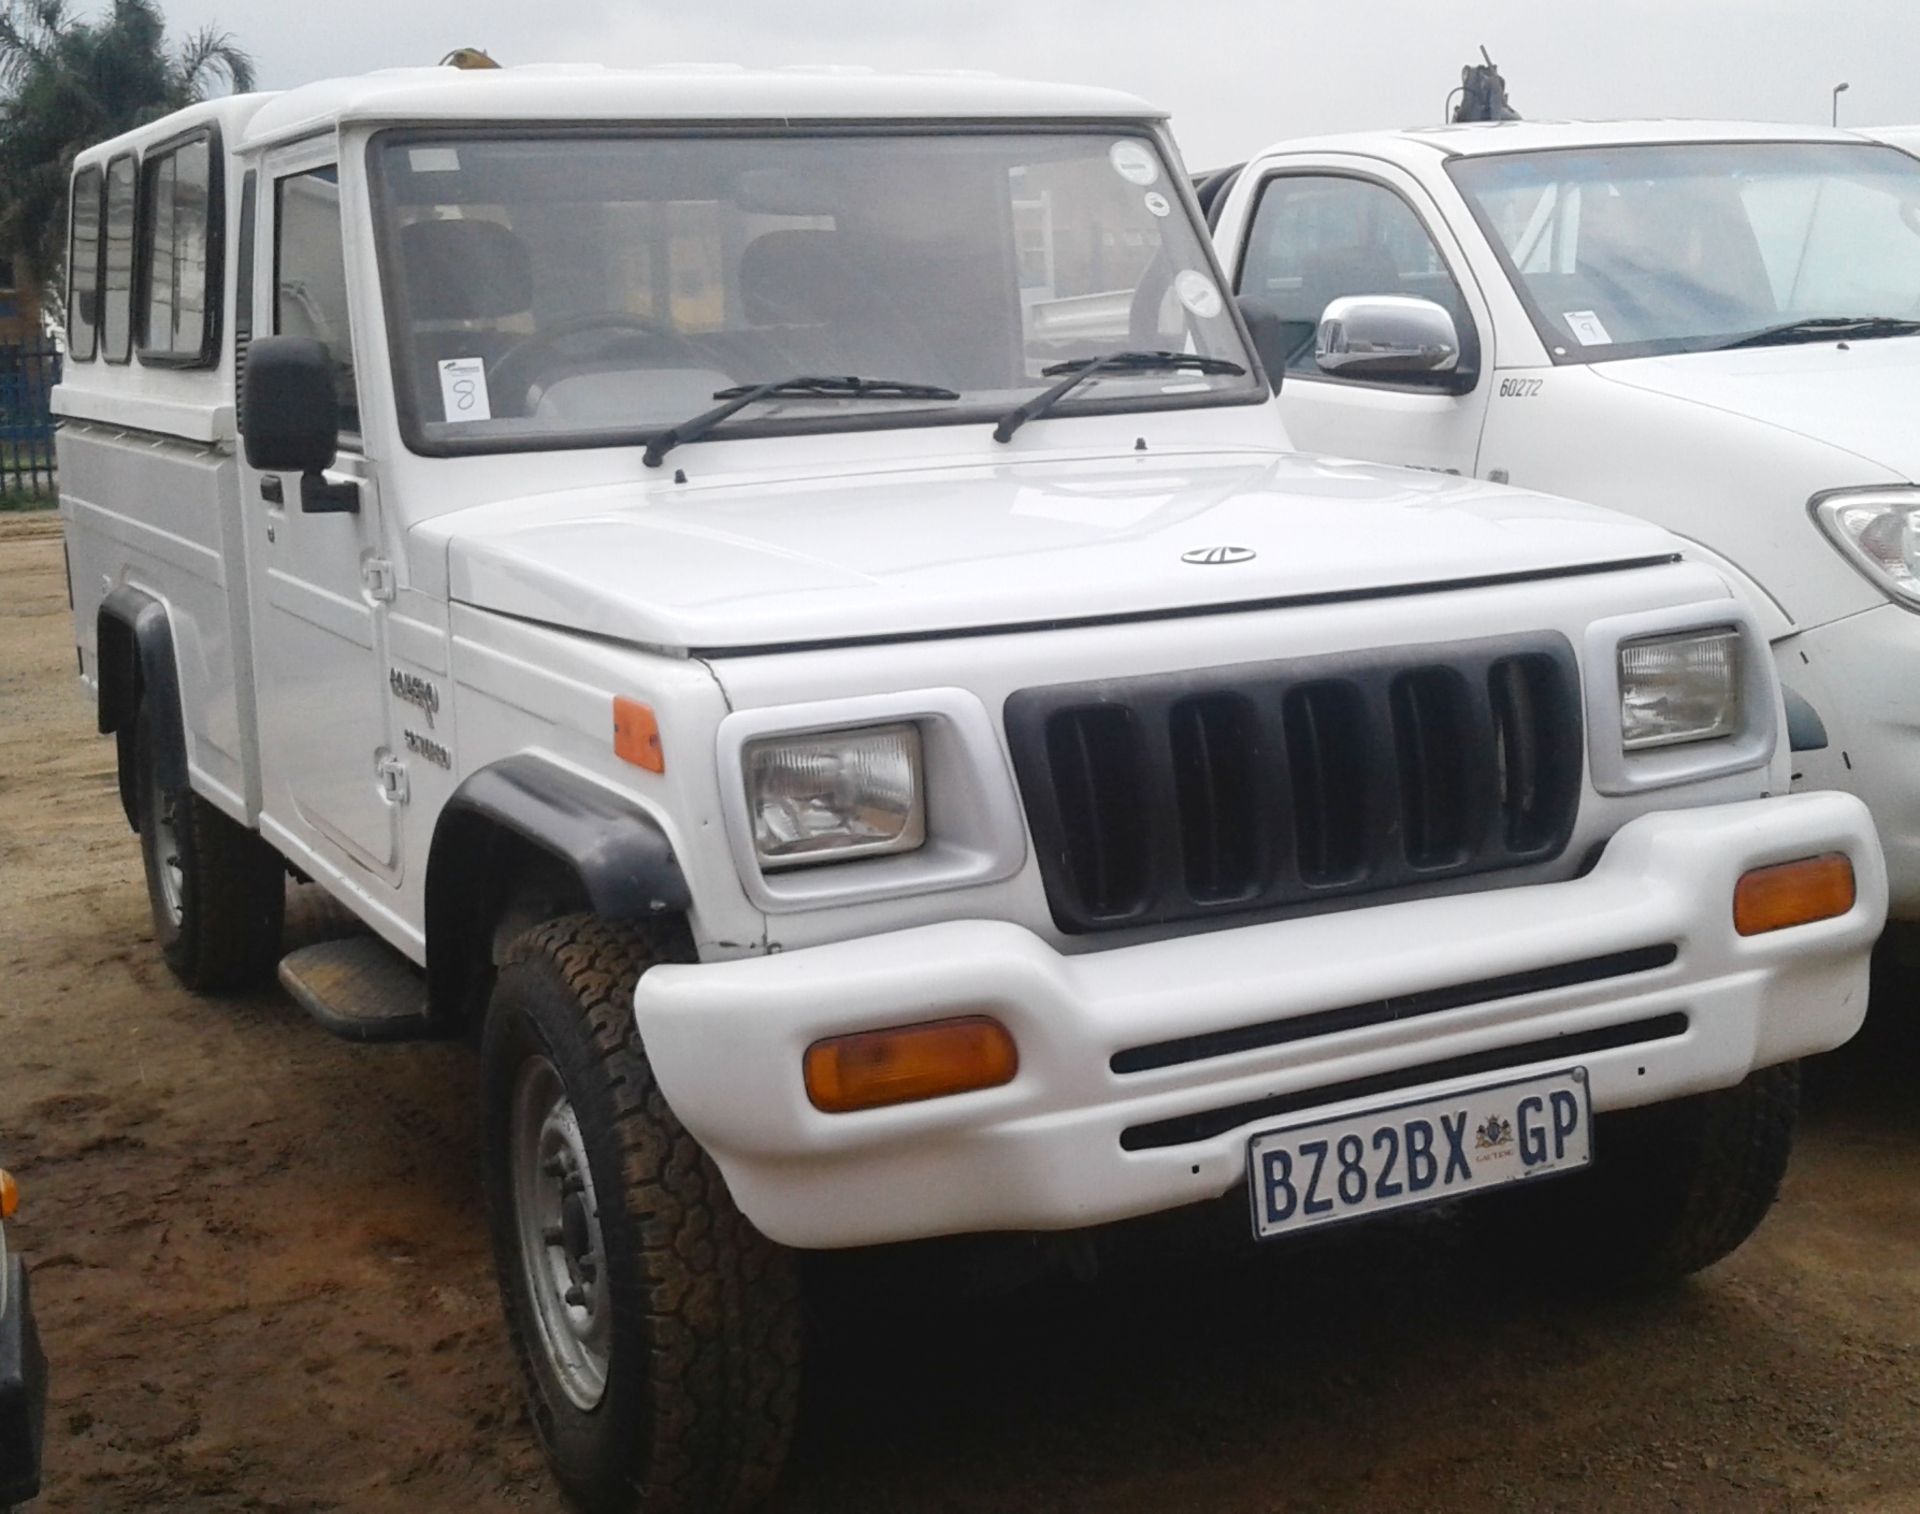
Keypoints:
pixel 360 988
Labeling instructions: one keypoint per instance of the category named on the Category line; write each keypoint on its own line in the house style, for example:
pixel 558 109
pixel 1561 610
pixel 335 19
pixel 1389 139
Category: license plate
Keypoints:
pixel 1422 1152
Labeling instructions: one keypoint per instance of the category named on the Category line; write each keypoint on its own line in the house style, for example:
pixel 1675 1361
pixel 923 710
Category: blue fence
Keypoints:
pixel 27 376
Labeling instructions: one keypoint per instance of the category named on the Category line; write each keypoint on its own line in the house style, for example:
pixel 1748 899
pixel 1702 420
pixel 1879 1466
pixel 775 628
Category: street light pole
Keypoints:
pixel 1838 91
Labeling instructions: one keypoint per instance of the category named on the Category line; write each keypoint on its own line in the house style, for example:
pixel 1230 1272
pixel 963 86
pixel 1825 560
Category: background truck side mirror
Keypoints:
pixel 1391 338
pixel 292 414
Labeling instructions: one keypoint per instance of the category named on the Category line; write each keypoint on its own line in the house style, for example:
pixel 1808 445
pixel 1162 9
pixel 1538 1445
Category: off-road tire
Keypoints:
pixel 703 1366
pixel 232 885
pixel 1674 1188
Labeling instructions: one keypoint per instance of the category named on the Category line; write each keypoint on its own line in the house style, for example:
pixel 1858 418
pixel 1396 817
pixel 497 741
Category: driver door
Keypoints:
pixel 320 582
pixel 1318 233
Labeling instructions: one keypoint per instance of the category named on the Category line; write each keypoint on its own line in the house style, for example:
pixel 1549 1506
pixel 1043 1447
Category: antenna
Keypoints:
pixel 1483 93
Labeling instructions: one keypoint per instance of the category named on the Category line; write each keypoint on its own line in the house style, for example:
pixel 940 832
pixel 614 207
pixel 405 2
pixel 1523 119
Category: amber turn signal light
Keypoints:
pixel 636 735
pixel 1793 893
pixel 9 1195
pixel 879 1067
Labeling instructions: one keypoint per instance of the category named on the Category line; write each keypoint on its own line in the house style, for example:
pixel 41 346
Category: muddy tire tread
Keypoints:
pixel 716 1303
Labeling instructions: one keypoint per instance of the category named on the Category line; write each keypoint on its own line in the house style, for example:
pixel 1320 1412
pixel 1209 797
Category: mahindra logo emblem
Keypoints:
pixel 1213 556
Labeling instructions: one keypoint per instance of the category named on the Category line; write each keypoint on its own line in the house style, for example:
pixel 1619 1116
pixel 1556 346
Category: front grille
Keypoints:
pixel 1179 797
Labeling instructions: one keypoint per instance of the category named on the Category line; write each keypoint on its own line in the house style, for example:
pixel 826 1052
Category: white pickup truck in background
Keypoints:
pixel 1713 326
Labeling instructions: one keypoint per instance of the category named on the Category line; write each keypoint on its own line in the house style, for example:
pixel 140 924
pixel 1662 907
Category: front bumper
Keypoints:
pixel 23 1387
pixel 1862 675
pixel 1633 971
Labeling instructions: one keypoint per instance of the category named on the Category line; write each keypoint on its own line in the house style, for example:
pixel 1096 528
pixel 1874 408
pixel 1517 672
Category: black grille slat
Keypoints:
pixel 1433 732
pixel 1329 754
pixel 1095 768
pixel 1536 761
pixel 1215 747
pixel 1267 785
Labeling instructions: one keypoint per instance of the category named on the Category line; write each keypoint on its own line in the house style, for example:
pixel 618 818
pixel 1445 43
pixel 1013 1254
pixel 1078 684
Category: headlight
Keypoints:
pixel 1680 688
pixel 831 795
pixel 1878 531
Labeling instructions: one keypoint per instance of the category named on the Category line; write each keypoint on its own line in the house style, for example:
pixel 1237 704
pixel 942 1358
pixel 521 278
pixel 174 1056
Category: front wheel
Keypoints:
pixel 657 1331
pixel 1674 1188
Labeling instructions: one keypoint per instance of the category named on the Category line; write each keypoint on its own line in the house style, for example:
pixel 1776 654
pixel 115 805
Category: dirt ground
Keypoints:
pixel 261 1273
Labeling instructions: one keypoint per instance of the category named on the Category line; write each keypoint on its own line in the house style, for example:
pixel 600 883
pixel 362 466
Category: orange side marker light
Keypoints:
pixel 9 1195
pixel 1793 893
pixel 636 735
pixel 914 1062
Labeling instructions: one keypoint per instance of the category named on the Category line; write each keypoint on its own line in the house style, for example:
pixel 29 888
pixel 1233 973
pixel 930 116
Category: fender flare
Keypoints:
pixel 617 852
pixel 134 659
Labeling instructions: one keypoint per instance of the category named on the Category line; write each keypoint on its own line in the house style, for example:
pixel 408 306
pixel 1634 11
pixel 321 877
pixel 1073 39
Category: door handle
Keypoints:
pixel 272 490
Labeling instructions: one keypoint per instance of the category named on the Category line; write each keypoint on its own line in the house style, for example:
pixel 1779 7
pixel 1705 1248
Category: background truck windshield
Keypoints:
pixel 1629 251
pixel 573 288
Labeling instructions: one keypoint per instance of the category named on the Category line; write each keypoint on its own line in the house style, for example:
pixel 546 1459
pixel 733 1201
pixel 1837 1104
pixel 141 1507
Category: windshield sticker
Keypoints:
pixel 1198 293
pixel 434 159
pixel 1158 203
pixel 1133 161
pixel 1586 328
pixel 463 389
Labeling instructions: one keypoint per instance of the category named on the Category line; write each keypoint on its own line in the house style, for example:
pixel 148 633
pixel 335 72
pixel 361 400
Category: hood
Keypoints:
pixel 837 558
pixel 1862 396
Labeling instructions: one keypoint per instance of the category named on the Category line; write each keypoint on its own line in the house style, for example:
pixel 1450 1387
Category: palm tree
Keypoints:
pixel 67 82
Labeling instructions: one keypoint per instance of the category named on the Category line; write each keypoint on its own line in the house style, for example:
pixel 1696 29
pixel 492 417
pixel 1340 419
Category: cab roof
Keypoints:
pixel 678 92
pixel 1484 138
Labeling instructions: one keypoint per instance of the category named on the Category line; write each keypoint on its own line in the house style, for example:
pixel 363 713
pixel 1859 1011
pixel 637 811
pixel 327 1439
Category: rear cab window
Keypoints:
pixel 83 267
pixel 179 254
pixel 116 313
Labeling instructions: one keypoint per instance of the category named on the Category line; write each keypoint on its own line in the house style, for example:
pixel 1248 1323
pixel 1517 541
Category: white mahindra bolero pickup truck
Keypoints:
pixel 776 599
pixel 1713 326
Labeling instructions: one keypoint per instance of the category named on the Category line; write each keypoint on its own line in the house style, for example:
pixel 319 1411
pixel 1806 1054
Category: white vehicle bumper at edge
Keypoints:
pixel 1047 1150
pixel 1871 664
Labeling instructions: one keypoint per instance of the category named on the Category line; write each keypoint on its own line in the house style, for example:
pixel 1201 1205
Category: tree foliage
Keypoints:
pixel 68 81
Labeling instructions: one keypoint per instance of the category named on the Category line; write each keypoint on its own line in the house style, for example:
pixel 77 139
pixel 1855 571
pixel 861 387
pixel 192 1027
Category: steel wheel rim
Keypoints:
pixel 166 845
pixel 557 1219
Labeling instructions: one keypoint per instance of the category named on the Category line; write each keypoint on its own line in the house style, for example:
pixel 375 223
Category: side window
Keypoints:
pixel 180 302
pixel 83 268
pixel 310 275
pixel 116 313
pixel 1318 237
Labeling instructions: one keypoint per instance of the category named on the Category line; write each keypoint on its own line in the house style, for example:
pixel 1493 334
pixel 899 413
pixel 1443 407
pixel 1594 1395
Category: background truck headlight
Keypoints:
pixel 1878 531
pixel 1680 688
pixel 831 795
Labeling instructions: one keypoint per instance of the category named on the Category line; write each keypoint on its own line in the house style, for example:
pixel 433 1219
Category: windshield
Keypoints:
pixel 573 289
pixel 1631 251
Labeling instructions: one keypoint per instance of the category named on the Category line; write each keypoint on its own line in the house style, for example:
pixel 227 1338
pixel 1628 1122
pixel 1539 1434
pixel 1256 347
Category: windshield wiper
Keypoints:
pixel 809 386
pixel 1822 328
pixel 1080 369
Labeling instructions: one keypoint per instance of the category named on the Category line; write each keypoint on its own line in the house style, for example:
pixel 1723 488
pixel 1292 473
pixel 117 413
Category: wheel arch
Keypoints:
pixel 134 660
pixel 526 826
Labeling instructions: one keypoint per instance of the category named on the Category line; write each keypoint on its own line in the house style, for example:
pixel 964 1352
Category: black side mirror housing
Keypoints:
pixel 1271 338
pixel 292 415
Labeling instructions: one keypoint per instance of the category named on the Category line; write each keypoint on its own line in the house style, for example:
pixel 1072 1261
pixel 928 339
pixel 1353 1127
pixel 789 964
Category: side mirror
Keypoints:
pixel 1388 337
pixel 292 415
pixel 1271 337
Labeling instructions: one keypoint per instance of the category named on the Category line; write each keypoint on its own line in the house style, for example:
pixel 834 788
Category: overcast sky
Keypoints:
pixel 1235 73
